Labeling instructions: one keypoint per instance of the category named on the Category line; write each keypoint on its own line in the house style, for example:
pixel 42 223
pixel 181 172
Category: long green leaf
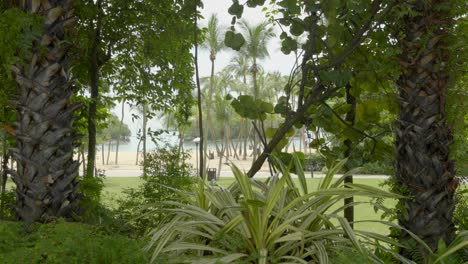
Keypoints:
pixel 177 245
pixel 350 233
pixel 460 242
pixel 300 173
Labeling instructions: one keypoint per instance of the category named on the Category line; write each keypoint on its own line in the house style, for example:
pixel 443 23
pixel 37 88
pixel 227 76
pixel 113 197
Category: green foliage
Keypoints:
pixel 112 131
pixel 457 112
pixel 165 169
pixel 456 252
pixel 350 256
pixel 318 160
pixel 63 242
pixel 7 205
pixel 457 97
pixel 236 9
pixel 378 167
pixel 246 106
pixel 263 222
pixel 234 40
pixel 460 214
pixel 91 188
pixel 18 30
pixel 339 79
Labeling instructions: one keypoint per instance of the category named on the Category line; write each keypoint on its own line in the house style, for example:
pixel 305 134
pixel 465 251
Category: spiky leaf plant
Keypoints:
pixel 265 222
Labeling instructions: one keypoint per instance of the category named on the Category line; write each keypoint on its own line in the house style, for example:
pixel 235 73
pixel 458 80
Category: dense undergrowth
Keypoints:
pixel 169 219
pixel 64 242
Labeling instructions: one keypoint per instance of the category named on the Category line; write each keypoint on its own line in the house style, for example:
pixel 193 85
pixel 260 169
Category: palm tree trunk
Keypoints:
pixel 120 132
pixel 83 158
pixel 108 151
pixel 246 138
pixel 256 94
pixel 199 102
pixel 138 151
pixel 46 175
pixel 424 170
pixel 103 147
pixel 208 113
pixel 220 162
pixel 181 140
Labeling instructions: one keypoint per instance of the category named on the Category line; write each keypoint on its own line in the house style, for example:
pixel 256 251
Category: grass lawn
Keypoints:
pixel 115 185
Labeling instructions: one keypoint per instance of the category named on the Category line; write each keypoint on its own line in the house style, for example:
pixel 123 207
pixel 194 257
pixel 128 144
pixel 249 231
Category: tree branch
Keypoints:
pixel 318 94
pixel 351 126
pixel 354 43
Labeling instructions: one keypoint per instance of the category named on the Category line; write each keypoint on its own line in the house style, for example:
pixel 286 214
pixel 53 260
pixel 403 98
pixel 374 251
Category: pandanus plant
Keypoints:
pixel 277 221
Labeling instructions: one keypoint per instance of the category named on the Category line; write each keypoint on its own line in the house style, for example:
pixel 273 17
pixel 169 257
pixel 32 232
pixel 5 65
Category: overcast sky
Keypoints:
pixel 277 61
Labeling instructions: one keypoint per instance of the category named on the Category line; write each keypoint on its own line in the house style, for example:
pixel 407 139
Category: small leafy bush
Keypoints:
pixel 92 210
pixel 165 169
pixel 377 167
pixel 461 210
pixel 350 256
pixel 7 205
pixel 63 242
pixel 456 252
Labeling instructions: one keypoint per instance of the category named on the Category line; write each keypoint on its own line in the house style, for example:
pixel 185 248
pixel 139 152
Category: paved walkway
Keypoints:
pixel 229 174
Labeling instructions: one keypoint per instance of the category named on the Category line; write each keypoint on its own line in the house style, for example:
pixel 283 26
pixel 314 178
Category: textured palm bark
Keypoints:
pixel 46 176
pixel 424 170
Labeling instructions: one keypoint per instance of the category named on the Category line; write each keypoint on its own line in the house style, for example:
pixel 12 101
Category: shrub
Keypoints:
pixel 461 210
pixel 7 205
pixel 265 222
pixel 63 242
pixel 377 167
pixel 92 210
pixel 165 169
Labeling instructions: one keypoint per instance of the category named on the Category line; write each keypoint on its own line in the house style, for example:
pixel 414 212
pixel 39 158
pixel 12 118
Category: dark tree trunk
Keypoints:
pixel 350 119
pixel 46 175
pixel 145 134
pixel 199 103
pixel 94 85
pixel 424 170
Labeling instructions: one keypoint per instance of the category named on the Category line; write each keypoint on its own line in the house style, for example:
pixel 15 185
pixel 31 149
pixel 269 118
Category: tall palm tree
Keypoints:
pixel 46 176
pixel 214 43
pixel 239 66
pixel 424 170
pixel 256 38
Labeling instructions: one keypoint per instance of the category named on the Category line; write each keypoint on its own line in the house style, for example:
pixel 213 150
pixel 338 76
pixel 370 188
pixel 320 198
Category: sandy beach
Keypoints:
pixel 127 165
